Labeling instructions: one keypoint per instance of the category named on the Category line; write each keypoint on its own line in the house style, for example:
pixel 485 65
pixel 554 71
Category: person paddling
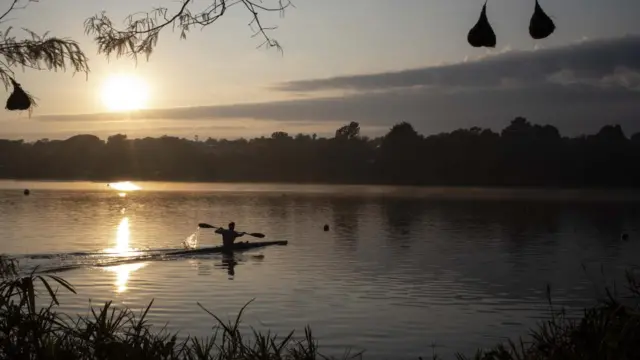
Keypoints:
pixel 229 235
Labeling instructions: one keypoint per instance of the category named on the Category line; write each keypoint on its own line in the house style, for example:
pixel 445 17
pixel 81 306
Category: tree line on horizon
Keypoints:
pixel 522 154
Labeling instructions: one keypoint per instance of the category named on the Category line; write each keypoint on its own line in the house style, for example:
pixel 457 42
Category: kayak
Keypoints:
pixel 236 247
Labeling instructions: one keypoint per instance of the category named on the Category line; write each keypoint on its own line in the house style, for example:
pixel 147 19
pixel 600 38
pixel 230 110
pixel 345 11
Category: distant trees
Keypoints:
pixel 399 155
pixel 348 132
pixel 522 154
pixel 280 135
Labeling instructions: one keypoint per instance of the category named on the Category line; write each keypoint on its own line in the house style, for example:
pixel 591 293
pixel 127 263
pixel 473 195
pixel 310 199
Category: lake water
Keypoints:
pixel 399 270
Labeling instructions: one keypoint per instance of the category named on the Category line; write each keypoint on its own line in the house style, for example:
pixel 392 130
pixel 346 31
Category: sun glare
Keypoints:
pixel 125 93
pixel 124 186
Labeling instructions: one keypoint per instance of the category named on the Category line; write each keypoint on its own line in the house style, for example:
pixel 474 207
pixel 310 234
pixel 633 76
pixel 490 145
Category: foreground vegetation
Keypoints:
pixel 610 330
pixel 523 154
pixel 30 331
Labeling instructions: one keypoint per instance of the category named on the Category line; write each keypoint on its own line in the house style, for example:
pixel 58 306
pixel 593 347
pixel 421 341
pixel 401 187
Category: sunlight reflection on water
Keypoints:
pixel 122 274
pixel 122 248
pixel 124 186
pixel 123 235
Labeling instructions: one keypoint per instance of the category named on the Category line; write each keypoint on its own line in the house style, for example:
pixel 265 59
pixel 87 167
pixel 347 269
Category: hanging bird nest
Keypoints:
pixel 541 25
pixel 19 100
pixel 481 34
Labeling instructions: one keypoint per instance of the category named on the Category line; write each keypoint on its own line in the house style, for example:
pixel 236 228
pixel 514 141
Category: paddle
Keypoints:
pixel 209 226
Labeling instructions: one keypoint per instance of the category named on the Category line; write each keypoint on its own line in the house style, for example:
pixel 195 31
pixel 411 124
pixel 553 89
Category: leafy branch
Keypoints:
pixel 138 37
pixel 38 52
pixel 141 30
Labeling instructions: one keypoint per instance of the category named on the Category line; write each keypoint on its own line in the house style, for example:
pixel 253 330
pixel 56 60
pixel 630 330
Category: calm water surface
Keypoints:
pixel 401 268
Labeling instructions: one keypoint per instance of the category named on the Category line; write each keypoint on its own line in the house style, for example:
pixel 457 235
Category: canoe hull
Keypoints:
pixel 236 247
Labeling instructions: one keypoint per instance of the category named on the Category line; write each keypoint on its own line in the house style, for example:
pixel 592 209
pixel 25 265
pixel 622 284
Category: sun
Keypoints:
pixel 125 93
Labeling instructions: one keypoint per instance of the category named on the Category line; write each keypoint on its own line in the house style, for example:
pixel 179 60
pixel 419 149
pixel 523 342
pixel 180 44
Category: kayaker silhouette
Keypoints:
pixel 229 235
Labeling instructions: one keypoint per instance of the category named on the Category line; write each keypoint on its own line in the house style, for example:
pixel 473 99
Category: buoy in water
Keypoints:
pixel 326 227
pixel 625 237
pixel 26 192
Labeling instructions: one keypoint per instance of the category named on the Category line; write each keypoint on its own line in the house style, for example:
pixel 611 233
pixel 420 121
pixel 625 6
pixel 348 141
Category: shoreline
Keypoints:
pixel 489 193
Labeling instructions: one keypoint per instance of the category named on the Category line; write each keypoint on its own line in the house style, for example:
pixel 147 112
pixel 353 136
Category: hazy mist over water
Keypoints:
pixel 400 268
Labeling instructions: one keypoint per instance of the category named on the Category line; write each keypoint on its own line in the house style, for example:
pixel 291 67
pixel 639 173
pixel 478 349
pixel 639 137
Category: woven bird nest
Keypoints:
pixel 482 35
pixel 19 100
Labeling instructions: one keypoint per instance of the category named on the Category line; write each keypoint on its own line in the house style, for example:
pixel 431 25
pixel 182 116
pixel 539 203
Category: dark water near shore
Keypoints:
pixel 401 268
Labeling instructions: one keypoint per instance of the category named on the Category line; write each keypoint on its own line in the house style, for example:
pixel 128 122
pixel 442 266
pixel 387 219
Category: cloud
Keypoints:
pixel 578 88
pixel 587 59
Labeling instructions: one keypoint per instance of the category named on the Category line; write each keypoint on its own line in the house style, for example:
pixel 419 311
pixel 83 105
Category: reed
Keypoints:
pixel 29 330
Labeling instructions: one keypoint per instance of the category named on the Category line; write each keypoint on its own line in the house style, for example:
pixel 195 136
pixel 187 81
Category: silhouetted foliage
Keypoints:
pixel 348 132
pixel 32 328
pixel 138 36
pixel 522 154
pixel 35 52
pixel 141 31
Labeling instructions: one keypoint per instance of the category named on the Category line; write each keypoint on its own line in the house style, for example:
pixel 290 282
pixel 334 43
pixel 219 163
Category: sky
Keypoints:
pixel 378 62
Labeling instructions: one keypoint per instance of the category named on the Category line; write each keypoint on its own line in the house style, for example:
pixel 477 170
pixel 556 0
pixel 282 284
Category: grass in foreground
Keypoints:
pixel 610 330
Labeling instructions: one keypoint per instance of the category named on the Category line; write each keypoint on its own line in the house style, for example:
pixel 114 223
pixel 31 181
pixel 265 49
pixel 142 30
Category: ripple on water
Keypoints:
pixel 391 274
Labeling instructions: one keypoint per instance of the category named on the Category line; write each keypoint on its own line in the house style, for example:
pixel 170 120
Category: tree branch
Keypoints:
pixel 12 7
pixel 141 30
pixel 39 52
pixel 139 36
